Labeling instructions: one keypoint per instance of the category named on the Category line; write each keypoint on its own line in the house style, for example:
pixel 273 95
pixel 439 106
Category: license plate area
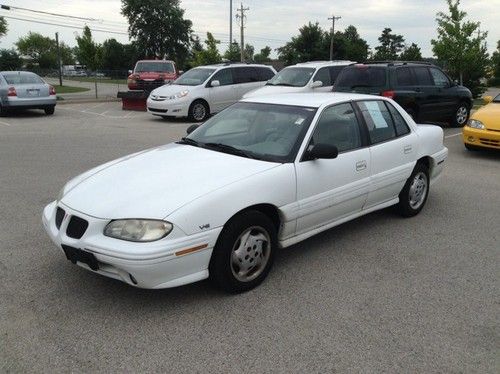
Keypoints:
pixel 78 255
pixel 33 92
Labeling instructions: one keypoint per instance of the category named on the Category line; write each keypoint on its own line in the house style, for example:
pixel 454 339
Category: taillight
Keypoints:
pixel 52 90
pixel 389 94
pixel 12 91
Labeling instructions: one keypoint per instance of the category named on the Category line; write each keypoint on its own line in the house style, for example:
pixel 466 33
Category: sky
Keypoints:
pixel 270 23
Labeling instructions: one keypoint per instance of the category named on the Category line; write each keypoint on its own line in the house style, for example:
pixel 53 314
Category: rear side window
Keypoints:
pixel 224 76
pixel 422 76
pixel 323 75
pixel 399 123
pixel 404 77
pixel 440 79
pixel 246 75
pixel 25 78
pixel 378 120
pixel 362 76
pixel 265 74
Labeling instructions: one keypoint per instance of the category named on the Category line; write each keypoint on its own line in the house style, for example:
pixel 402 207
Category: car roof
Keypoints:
pixel 234 64
pixel 16 72
pixel 166 61
pixel 308 99
pixel 317 64
pixel 394 63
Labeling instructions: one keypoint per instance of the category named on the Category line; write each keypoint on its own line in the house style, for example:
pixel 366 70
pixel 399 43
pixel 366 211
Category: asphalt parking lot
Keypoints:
pixel 378 294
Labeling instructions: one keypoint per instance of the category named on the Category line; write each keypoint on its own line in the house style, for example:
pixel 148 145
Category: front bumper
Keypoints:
pixel 481 138
pixel 168 108
pixel 173 261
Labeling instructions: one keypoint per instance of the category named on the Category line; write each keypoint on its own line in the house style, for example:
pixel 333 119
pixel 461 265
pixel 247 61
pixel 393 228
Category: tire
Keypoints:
pixel 50 110
pixel 198 111
pixel 461 115
pixel 247 239
pixel 413 196
pixel 2 111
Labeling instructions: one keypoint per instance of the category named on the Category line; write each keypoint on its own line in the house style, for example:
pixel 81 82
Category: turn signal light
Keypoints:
pixel 12 91
pixel 52 90
pixel 389 94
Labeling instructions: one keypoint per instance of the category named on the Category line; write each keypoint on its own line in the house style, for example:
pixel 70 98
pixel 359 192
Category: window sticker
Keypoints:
pixel 376 115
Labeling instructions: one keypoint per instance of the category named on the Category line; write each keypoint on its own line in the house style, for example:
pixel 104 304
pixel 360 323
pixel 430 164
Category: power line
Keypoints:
pixel 9 7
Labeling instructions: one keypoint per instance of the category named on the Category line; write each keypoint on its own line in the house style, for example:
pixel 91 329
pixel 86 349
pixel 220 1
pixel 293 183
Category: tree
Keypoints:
pixel 495 61
pixel 3 26
pixel 461 47
pixel 88 52
pixel 10 60
pixel 390 46
pixel 114 57
pixel 411 53
pixel 356 48
pixel 312 43
pixel 159 27
pixel 248 52
pixel 263 56
pixel 41 50
pixel 67 56
pixel 233 52
pixel 210 55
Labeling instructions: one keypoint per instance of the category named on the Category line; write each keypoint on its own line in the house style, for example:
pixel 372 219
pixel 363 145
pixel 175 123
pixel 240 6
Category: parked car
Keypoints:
pixel 74 70
pixel 483 128
pixel 267 172
pixel 150 74
pixel 25 90
pixel 422 89
pixel 314 76
pixel 207 89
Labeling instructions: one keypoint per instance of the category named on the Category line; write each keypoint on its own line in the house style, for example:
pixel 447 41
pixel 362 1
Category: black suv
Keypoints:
pixel 422 89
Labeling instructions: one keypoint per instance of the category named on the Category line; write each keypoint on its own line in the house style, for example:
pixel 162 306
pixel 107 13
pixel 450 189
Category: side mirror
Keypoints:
pixel 181 72
pixel 191 128
pixel 130 72
pixel 215 83
pixel 322 151
pixel 487 99
pixel 317 84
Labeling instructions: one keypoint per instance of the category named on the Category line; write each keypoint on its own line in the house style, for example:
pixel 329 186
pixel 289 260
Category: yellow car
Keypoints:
pixel 483 128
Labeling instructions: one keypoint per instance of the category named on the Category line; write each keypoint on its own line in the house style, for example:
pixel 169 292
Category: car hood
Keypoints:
pixel 170 89
pixel 271 90
pixel 155 183
pixel 489 115
pixel 154 75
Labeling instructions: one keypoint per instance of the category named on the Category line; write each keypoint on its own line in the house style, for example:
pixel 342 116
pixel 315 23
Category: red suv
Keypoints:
pixel 151 74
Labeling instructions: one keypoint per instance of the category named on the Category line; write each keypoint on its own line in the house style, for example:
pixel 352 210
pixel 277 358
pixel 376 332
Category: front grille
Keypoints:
pixel 59 217
pixel 149 85
pixel 490 142
pixel 76 227
pixel 158 110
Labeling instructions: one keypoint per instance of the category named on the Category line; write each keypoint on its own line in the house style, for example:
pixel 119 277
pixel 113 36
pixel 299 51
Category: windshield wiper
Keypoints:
pixel 282 84
pixel 360 85
pixel 189 141
pixel 229 149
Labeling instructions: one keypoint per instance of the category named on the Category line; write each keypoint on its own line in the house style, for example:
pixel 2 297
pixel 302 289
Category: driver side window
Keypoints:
pixel 224 76
pixel 338 126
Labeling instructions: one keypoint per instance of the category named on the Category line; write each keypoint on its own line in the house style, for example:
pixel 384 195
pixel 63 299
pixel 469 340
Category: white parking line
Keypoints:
pixel 97 114
pixel 451 136
pixel 5 123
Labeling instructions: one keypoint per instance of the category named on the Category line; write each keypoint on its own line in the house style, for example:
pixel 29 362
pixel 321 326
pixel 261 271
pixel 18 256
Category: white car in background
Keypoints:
pixel 209 89
pixel 265 173
pixel 314 76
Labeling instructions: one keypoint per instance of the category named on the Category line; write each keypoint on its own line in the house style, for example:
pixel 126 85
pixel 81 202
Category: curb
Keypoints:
pixel 89 100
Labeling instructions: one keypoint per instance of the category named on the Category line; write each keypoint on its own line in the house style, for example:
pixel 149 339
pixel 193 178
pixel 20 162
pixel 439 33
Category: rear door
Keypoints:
pixel 392 150
pixel 427 99
pixel 226 93
pixel 330 189
pixel 247 78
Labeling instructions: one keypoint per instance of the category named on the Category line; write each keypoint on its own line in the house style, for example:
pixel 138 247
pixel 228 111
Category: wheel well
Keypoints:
pixel 468 102
pixel 202 100
pixel 426 160
pixel 269 210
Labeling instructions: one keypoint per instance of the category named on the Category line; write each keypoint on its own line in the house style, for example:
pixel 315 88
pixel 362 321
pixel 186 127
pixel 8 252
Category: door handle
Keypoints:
pixel 407 149
pixel 360 165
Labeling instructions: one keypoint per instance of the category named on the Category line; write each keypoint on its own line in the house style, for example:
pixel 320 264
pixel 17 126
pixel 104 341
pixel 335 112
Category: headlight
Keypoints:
pixel 138 230
pixel 179 95
pixel 474 123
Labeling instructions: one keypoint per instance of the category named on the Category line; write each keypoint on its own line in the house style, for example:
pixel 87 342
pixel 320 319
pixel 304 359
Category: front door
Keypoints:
pixel 225 94
pixel 330 189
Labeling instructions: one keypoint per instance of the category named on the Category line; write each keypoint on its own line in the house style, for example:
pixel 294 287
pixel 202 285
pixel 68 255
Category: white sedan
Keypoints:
pixel 264 174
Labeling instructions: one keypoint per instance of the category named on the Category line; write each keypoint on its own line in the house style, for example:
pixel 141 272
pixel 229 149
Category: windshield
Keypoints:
pixel 497 99
pixel 361 76
pixel 157 67
pixel 264 131
pixel 194 77
pixel 292 77
pixel 22 78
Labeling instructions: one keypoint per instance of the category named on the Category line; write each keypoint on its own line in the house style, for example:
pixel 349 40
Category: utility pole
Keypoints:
pixel 241 16
pixel 230 23
pixel 333 18
pixel 59 59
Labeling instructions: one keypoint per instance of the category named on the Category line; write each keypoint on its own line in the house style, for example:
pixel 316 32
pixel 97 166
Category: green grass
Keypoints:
pixel 477 103
pixel 99 80
pixel 69 89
